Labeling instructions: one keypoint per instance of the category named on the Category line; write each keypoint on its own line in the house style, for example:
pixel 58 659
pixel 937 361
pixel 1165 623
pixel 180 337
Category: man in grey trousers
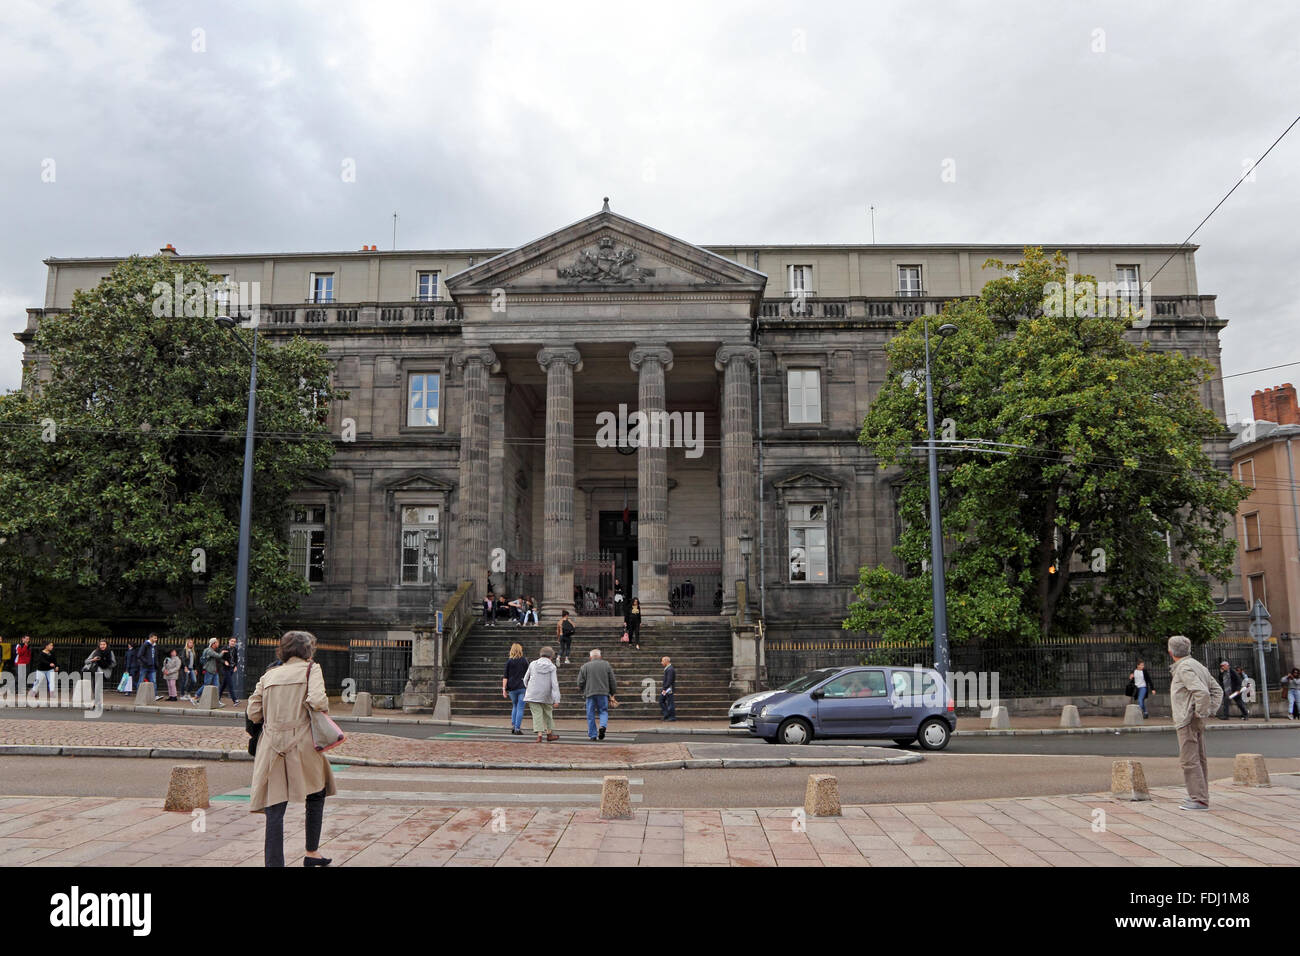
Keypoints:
pixel 1193 695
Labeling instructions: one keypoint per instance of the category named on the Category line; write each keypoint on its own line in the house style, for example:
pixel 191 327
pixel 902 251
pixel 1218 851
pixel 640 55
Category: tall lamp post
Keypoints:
pixel 942 657
pixel 240 626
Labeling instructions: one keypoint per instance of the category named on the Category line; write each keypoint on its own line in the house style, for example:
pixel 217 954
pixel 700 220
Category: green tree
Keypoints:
pixel 128 455
pixel 1074 446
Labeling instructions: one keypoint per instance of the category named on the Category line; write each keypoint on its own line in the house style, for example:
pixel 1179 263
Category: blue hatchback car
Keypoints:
pixel 904 704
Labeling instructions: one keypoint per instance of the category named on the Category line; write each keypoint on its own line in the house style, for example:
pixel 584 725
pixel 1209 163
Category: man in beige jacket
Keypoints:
pixel 1193 695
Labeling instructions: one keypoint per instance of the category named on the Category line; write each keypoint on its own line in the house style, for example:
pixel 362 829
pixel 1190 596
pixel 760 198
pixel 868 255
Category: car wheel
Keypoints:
pixel 796 730
pixel 904 741
pixel 934 734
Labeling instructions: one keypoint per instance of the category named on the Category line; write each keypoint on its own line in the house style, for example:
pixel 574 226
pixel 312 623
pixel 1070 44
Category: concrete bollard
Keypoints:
pixel 821 797
pixel 442 707
pixel 1127 781
pixel 1248 770
pixel 1070 716
pixel 1132 715
pixel 208 698
pixel 615 799
pixel 1000 719
pixel 187 788
pixel 361 706
pixel 145 694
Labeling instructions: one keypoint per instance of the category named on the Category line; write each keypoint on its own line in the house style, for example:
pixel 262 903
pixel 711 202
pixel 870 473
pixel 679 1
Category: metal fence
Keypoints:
pixel 695 580
pixel 376 666
pixel 1082 667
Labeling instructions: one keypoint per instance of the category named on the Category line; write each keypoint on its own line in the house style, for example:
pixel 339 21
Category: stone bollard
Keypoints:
pixel 821 797
pixel 361 706
pixel 145 694
pixel 1000 719
pixel 1127 781
pixel 188 788
pixel 442 707
pixel 1132 715
pixel 208 698
pixel 1070 716
pixel 1248 770
pixel 615 799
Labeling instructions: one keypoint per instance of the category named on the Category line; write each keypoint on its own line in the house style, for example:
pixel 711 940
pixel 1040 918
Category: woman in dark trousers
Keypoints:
pixel 512 686
pixel 633 621
pixel 287 766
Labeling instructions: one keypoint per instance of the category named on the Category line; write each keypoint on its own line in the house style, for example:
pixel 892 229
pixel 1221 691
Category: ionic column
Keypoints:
pixel 652 482
pixel 738 486
pixel 557 515
pixel 472 513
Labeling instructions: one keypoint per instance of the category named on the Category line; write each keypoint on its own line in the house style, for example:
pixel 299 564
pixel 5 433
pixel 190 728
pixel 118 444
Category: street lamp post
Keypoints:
pixel 240 624
pixel 942 658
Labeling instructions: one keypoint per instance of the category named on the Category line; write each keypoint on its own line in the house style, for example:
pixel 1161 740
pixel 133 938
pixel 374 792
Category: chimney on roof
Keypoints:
pixel 1276 405
pixel 168 250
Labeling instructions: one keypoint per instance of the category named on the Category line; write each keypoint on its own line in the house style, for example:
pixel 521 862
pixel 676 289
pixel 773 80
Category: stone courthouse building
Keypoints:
pixel 482 384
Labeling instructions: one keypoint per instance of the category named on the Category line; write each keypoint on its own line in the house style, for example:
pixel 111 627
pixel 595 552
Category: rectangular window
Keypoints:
pixel 1128 281
pixel 307 542
pixel 221 294
pixel 1246 472
pixel 805 395
pixel 801 280
pixel 1257 590
pixel 420 536
pixel 322 287
pixel 808 561
pixel 909 280
pixel 422 400
pixel 1252 532
pixel 427 287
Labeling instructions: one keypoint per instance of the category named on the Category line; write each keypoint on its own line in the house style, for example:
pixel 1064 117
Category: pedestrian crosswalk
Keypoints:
pixel 463 788
pixel 566 736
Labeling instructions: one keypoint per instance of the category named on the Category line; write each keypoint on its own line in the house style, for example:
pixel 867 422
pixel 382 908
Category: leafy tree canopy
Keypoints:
pixel 127 455
pixel 1070 448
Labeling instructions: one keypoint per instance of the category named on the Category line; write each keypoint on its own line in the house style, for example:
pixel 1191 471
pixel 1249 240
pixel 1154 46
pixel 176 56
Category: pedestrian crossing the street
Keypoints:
pixel 462 788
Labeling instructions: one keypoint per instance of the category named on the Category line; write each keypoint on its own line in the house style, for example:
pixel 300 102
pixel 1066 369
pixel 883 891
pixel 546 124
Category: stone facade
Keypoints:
pixel 478 382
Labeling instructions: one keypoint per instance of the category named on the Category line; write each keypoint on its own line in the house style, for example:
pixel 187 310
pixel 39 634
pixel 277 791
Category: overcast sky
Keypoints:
pixel 224 127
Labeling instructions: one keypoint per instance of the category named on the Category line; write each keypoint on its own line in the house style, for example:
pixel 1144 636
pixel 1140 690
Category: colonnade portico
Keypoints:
pixel 572 313
pixel 562 364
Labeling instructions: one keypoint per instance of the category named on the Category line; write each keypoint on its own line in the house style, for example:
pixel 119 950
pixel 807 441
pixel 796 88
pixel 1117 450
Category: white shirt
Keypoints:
pixel 1139 678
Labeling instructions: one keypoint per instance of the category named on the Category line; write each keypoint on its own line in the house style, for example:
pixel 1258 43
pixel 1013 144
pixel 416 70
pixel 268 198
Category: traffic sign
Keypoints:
pixel 1261 630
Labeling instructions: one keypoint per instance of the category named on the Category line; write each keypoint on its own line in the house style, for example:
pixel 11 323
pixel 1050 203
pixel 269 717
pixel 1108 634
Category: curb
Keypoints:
pixel 25 750
pixel 1165 728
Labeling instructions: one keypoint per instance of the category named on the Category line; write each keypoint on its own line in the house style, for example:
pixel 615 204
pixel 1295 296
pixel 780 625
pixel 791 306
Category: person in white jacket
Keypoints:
pixel 542 693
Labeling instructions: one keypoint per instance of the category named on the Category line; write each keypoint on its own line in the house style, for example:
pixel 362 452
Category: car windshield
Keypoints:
pixel 807 681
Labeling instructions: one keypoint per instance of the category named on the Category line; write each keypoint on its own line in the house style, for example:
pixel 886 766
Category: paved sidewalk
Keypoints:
pixel 1256 827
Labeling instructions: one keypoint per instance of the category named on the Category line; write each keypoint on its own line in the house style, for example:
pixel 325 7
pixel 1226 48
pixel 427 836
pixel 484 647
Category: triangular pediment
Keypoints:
pixel 419 481
pixel 608 253
pixel 807 479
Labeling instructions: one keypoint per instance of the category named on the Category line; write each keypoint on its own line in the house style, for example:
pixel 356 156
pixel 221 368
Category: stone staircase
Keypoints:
pixel 700 649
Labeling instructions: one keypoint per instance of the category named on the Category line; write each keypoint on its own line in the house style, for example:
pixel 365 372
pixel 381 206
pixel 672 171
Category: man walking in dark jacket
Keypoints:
pixel 229 670
pixel 668 696
pixel 596 683
pixel 147 660
pixel 1230 681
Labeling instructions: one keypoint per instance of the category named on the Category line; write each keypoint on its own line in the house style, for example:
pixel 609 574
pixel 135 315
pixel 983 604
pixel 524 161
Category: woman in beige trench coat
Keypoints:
pixel 288 766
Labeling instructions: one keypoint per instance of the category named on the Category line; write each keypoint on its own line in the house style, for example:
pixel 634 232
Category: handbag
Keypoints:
pixel 254 735
pixel 1130 689
pixel 625 639
pixel 325 734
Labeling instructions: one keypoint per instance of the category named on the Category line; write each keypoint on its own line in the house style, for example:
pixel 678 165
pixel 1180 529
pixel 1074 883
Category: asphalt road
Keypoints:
pixel 1219 743
pixel 944 776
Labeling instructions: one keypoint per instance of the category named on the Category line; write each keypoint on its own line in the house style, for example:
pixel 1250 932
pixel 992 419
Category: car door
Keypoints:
pixel 907 699
pixel 854 704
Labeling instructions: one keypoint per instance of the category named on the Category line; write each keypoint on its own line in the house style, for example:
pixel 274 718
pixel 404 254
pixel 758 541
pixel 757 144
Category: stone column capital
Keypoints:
pixel 729 353
pixel 483 355
pixel 549 355
pixel 651 353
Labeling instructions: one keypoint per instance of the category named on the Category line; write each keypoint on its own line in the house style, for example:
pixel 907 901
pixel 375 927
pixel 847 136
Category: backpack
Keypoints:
pixel 567 628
